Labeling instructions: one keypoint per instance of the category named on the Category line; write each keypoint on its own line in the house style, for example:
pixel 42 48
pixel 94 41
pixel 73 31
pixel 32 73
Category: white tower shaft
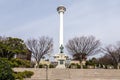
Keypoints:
pixel 61 29
pixel 61 10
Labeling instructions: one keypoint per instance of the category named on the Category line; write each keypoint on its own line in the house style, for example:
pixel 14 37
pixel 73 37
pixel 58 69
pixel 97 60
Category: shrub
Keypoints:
pixel 22 75
pixel 51 66
pixel 28 74
pixel 20 63
pixel 91 63
pixel 73 65
pixel 6 72
pixel 78 66
pixel 40 66
pixel 84 67
pixel 18 75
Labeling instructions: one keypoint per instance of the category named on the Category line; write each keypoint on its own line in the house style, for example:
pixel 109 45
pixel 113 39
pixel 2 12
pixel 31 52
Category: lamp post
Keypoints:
pixel 46 67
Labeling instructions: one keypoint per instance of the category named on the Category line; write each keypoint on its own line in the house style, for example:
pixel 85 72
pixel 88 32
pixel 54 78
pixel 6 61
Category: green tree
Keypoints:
pixel 6 72
pixel 92 62
pixel 10 46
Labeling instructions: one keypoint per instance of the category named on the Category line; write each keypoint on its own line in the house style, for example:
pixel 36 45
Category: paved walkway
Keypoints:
pixel 73 74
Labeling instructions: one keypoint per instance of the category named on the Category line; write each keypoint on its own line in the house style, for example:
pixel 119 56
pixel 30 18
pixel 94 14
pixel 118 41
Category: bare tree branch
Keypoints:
pixel 83 46
pixel 114 52
pixel 40 47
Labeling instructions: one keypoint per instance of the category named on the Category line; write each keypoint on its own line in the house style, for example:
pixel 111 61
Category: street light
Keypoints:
pixel 46 68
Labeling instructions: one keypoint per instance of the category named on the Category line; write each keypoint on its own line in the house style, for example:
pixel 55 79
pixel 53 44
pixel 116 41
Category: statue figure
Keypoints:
pixel 61 49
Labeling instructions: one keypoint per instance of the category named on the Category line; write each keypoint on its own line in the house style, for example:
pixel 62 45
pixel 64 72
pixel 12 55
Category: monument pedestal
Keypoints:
pixel 61 60
pixel 61 64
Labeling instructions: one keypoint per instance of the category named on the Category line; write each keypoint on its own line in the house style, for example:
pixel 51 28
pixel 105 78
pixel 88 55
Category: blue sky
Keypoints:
pixel 34 18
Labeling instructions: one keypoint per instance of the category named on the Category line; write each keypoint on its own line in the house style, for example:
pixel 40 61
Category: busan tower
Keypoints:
pixel 61 57
pixel 61 10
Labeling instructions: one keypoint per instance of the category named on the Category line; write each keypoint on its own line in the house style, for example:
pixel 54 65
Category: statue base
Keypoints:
pixel 61 60
pixel 61 66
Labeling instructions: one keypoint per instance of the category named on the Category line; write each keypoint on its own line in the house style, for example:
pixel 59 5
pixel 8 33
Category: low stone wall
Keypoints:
pixel 73 74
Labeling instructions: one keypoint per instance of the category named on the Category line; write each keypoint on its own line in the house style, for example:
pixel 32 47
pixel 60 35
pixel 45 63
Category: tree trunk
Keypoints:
pixel 81 65
pixel 118 66
pixel 37 64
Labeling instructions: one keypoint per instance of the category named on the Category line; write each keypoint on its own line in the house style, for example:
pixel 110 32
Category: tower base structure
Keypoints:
pixel 61 60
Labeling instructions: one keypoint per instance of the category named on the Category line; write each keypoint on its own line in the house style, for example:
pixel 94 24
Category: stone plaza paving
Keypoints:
pixel 73 74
